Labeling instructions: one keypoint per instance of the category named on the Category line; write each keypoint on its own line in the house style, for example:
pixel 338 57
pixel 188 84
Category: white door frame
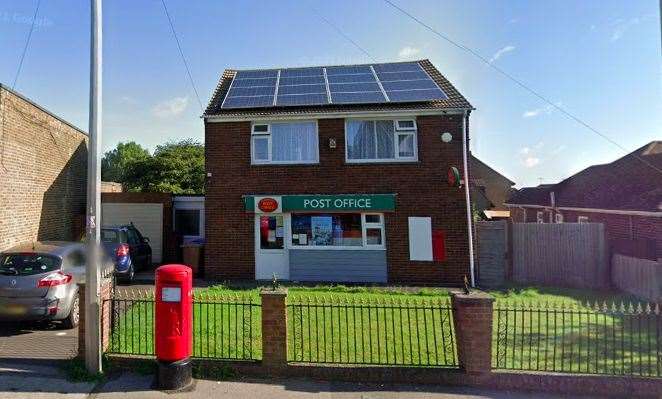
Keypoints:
pixel 269 261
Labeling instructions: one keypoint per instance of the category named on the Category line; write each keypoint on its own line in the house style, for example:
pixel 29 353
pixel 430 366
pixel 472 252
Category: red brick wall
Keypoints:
pixel 421 191
pixel 43 172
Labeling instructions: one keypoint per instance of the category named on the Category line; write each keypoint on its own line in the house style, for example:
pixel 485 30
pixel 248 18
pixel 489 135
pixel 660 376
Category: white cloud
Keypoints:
pixel 501 52
pixel 559 149
pixel 128 100
pixel 542 110
pixel 528 156
pixel 170 108
pixel 531 161
pixel 408 52
pixel 622 26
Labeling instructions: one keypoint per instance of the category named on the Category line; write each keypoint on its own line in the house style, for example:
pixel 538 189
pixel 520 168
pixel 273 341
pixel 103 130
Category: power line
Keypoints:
pixel 518 82
pixel 27 43
pixel 341 33
pixel 181 53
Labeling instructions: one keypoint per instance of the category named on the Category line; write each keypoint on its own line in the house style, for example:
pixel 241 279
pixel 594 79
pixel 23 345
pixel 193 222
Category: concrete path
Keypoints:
pixel 34 379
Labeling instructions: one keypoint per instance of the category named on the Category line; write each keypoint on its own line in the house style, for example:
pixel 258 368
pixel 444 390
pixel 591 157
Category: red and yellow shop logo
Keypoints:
pixel 267 205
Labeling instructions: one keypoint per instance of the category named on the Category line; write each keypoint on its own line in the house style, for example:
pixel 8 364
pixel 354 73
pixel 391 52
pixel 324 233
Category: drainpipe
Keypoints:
pixel 465 150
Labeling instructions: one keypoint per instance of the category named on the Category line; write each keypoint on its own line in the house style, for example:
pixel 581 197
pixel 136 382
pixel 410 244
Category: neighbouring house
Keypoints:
pixel 489 190
pixel 624 195
pixel 336 173
pixel 43 172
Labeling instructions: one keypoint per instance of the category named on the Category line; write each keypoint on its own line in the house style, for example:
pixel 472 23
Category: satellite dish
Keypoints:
pixel 446 137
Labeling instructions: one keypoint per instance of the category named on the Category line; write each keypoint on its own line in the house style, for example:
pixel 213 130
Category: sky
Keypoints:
pixel 600 60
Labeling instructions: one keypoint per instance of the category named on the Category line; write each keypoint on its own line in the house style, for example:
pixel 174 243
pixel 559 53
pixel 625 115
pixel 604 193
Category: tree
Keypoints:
pixel 175 167
pixel 115 163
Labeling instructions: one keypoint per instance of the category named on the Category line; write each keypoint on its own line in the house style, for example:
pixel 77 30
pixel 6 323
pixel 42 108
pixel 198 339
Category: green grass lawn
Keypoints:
pixel 361 325
pixel 568 330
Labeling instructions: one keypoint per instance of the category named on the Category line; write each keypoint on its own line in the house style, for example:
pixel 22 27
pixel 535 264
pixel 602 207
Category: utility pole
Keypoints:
pixel 92 272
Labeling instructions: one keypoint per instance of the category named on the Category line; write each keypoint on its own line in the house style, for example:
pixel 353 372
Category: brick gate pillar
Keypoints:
pixel 472 316
pixel 274 328
pixel 105 289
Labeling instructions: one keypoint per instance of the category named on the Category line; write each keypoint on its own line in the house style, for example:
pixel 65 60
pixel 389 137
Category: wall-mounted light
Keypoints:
pixel 332 143
pixel 446 137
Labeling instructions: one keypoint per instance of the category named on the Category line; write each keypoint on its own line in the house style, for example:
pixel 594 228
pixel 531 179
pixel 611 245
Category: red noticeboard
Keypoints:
pixel 438 245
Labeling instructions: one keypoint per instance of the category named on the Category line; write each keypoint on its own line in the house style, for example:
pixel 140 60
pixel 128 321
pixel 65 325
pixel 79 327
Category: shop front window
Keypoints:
pixel 327 230
pixel 337 230
pixel 271 232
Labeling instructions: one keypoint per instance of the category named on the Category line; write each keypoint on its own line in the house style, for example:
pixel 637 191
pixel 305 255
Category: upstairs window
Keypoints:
pixel 284 143
pixel 381 140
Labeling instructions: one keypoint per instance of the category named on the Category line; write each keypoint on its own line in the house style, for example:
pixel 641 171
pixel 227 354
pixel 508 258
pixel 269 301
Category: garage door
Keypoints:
pixel 148 218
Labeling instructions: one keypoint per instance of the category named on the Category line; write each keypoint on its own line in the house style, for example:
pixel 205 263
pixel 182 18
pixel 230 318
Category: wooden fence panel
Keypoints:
pixel 640 277
pixel 491 240
pixel 564 254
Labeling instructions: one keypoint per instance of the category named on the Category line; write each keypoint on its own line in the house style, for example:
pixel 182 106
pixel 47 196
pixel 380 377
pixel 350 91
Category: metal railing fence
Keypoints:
pixel 393 332
pixel 224 326
pixel 590 338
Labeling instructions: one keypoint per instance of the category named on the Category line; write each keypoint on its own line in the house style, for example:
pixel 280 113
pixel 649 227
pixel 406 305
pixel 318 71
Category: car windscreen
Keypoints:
pixel 28 264
pixel 110 235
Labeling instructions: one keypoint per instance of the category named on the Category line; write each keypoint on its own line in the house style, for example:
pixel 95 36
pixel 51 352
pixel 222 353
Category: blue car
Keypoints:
pixel 128 248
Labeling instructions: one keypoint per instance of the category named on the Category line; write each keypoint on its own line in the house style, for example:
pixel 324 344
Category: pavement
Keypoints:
pixel 37 341
pixel 43 380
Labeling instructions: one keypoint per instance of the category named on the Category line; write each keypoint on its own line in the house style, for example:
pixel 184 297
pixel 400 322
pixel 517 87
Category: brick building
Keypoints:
pixel 347 182
pixel 624 195
pixel 42 173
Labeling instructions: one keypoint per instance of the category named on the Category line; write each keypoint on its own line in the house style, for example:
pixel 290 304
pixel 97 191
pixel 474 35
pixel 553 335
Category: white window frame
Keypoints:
pixel 558 218
pixel 372 225
pixel 363 247
pixel 189 203
pixel 540 217
pixel 582 219
pixel 267 134
pixel 397 131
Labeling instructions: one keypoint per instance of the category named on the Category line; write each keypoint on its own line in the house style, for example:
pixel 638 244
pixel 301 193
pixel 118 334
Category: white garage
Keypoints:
pixel 147 217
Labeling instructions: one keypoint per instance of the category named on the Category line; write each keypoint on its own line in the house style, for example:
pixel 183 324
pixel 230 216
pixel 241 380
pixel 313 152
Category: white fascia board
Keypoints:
pixel 594 210
pixel 334 115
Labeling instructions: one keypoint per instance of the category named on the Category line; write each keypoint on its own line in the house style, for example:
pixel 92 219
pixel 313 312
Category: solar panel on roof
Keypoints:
pixel 358 98
pixel 301 99
pixel 350 84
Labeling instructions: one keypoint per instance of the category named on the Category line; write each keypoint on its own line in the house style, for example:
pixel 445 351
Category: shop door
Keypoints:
pixel 271 256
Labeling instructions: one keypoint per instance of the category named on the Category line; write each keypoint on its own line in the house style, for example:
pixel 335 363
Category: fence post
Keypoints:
pixel 472 317
pixel 274 328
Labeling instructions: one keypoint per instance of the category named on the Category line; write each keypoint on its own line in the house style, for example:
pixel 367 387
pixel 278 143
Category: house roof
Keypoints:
pixel 625 184
pixel 454 101
pixel 480 170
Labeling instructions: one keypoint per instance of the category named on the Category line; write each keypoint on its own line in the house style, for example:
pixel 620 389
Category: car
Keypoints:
pixel 129 249
pixel 39 281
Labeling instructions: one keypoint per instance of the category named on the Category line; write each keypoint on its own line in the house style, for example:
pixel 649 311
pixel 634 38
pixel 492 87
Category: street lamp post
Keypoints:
pixel 92 275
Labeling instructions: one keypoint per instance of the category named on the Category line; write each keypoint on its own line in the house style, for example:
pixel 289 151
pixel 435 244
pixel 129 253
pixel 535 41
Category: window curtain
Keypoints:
pixel 385 136
pixel 370 140
pixel 361 140
pixel 294 142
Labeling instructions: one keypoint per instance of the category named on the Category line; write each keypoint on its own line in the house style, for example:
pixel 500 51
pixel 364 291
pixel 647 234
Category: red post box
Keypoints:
pixel 174 325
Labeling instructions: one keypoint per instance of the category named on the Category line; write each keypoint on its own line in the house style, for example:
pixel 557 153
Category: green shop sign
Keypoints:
pixel 316 203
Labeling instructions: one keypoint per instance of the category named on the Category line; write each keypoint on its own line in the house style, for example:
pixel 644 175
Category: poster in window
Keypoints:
pixel 322 228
